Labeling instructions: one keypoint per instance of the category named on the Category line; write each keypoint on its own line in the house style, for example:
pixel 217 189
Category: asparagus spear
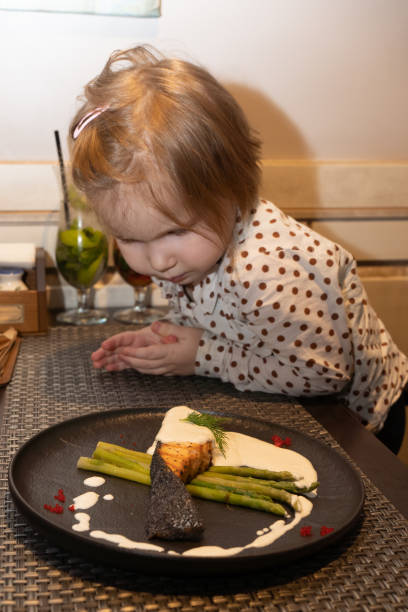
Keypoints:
pixel 96 465
pixel 291 487
pixel 120 460
pixel 230 485
pixel 138 456
pixel 217 495
pixel 248 471
pixel 236 499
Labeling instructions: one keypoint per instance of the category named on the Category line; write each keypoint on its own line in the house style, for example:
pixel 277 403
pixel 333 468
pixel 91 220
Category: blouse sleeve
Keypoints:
pixel 291 330
pixel 173 314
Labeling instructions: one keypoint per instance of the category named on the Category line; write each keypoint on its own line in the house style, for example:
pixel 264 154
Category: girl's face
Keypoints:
pixel 154 245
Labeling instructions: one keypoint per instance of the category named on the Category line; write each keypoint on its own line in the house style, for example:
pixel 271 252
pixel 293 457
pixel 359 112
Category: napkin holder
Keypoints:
pixel 26 310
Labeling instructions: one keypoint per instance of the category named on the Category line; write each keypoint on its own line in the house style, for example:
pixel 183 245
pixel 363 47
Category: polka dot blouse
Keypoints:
pixel 285 312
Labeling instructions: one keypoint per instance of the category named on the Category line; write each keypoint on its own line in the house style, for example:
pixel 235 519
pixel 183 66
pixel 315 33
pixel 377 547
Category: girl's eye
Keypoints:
pixel 178 232
pixel 126 240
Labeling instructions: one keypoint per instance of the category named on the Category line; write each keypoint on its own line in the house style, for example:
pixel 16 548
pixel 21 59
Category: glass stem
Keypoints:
pixel 84 299
pixel 140 298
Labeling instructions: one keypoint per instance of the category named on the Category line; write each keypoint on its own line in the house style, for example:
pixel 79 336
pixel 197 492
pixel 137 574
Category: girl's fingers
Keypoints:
pixel 164 329
pixel 124 339
pixel 157 371
pixel 168 339
pixel 98 354
pixel 142 337
pixel 109 361
pixel 146 354
pixel 159 365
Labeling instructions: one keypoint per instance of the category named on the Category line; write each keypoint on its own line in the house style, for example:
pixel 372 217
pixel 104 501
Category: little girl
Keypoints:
pixel 167 158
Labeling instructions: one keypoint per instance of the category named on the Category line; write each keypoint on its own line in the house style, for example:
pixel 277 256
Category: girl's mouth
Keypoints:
pixel 177 279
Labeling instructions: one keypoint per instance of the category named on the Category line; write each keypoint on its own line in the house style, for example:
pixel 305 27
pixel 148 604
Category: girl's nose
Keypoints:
pixel 160 259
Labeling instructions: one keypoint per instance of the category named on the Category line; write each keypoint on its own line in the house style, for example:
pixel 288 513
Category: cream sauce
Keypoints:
pixel 123 541
pixel 240 449
pixel 264 538
pixel 174 429
pixel 94 481
pixel 246 450
pixel 83 521
pixel 85 500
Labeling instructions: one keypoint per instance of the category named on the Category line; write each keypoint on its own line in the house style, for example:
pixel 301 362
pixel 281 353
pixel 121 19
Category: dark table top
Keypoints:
pixel 54 381
pixel 375 460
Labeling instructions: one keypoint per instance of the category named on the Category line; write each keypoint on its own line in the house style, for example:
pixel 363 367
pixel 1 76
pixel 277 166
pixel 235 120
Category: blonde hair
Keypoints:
pixel 166 121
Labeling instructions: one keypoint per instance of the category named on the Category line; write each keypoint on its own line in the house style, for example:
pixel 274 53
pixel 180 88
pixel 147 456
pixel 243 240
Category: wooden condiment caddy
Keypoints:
pixel 26 310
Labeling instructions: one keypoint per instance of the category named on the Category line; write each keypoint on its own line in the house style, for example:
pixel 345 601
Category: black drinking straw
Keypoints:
pixel 63 177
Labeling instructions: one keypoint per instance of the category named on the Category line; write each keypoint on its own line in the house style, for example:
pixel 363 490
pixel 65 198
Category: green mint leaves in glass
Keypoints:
pixel 81 257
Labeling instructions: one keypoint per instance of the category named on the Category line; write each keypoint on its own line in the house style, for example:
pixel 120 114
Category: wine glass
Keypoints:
pixel 140 313
pixel 81 256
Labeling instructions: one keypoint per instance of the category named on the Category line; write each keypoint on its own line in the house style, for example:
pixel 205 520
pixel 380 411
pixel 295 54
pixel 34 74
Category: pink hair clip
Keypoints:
pixel 87 119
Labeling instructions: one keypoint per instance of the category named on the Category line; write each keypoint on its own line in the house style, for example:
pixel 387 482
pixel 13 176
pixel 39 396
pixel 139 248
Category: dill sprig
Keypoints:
pixel 213 423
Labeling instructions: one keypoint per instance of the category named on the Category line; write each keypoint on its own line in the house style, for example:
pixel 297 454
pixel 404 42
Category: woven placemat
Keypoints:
pixel 53 381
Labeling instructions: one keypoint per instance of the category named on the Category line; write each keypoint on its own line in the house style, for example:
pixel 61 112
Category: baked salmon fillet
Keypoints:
pixel 186 459
pixel 172 514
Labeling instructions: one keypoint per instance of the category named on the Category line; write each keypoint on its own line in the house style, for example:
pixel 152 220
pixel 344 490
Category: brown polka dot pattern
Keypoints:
pixel 276 319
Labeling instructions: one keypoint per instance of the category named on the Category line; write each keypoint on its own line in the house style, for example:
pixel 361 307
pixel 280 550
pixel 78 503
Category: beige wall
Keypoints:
pixel 319 79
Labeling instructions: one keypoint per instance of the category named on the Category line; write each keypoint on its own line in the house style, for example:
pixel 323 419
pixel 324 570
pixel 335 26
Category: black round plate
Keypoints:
pixel 47 462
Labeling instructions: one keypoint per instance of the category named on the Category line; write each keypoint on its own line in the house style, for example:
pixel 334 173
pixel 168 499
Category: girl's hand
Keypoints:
pixel 109 355
pixel 164 348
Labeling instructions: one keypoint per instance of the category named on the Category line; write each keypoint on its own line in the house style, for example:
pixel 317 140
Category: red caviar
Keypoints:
pixel 325 530
pixel 71 507
pixel 60 497
pixel 57 509
pixel 278 441
pixel 306 530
